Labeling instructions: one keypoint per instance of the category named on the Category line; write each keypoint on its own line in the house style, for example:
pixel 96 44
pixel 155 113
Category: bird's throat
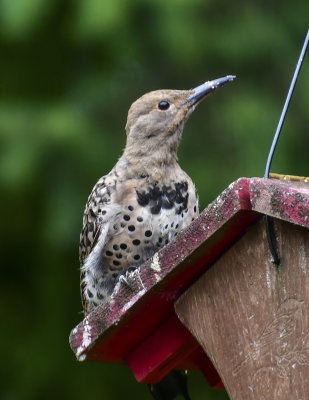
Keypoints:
pixel 156 166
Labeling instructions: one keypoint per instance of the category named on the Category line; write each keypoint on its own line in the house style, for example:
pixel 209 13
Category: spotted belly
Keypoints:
pixel 153 219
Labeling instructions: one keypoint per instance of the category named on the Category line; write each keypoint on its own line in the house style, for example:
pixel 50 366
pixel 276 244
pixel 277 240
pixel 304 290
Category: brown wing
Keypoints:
pixel 88 238
pixel 95 214
pixel 98 211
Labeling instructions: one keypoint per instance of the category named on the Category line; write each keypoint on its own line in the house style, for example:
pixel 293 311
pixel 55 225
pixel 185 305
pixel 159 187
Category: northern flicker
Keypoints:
pixel 146 199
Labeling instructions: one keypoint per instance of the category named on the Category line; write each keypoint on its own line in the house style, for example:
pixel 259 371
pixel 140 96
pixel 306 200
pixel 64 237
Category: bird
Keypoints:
pixel 146 199
pixel 141 204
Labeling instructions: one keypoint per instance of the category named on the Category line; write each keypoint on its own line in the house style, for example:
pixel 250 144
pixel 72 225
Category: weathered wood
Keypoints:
pixel 252 319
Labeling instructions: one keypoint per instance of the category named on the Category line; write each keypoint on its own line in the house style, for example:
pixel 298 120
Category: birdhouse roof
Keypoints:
pixel 143 303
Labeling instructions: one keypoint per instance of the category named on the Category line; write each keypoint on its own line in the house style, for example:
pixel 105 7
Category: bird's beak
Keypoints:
pixel 201 91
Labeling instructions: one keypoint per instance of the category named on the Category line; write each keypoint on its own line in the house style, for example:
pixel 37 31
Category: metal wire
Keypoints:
pixel 285 107
pixel 269 230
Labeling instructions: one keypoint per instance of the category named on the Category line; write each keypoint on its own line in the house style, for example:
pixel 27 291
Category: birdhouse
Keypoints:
pixel 212 300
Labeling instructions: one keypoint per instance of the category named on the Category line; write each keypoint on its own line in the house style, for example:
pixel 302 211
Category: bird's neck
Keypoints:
pixel 156 166
pixel 154 157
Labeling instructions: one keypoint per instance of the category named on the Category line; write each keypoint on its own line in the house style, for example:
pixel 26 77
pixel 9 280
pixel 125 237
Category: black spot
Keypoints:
pixel 123 246
pixel 130 208
pixel 171 195
pixel 176 226
pixel 155 199
pixel 139 219
pixel 100 296
pixel 142 198
pixel 126 217
pixel 192 219
pixel 181 194
pixel 155 209
pixel 90 294
pixel 115 275
pixel 137 257
pixel 116 247
pixel 166 204
pixel 115 227
pixel 122 225
pixel 148 233
pixel 109 253
pixel 131 268
pixel 131 228
pixel 166 226
pixel 92 213
pixel 165 197
pixel 172 224
pixel 194 209
pixel 136 242
pixel 182 215
pixel 119 255
pixel 146 241
pixel 116 263
pixel 168 198
pixel 166 242
pixel 160 240
pixel 180 210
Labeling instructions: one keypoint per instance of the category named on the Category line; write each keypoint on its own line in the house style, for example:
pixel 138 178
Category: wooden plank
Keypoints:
pixel 252 318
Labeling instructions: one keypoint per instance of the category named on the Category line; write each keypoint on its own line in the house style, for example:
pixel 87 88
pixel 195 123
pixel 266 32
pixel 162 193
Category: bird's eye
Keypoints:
pixel 163 105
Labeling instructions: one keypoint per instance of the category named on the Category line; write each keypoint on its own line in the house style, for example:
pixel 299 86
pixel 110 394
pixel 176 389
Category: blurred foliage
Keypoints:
pixel 68 74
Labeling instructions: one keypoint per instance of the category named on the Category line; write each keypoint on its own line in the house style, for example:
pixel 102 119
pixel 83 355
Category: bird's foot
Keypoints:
pixel 131 269
pixel 127 278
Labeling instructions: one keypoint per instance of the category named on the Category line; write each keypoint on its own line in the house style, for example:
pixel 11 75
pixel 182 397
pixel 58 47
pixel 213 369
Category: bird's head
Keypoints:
pixel 156 120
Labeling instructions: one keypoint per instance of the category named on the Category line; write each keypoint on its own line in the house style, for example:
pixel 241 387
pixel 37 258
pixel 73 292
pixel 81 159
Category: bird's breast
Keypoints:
pixel 151 216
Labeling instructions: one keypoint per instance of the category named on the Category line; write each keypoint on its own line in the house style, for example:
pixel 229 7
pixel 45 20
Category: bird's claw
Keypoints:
pixel 127 277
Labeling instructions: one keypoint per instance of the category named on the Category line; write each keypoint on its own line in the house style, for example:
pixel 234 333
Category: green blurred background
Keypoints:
pixel 69 71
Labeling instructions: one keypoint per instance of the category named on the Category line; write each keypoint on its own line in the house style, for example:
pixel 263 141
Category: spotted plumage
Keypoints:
pixel 146 199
